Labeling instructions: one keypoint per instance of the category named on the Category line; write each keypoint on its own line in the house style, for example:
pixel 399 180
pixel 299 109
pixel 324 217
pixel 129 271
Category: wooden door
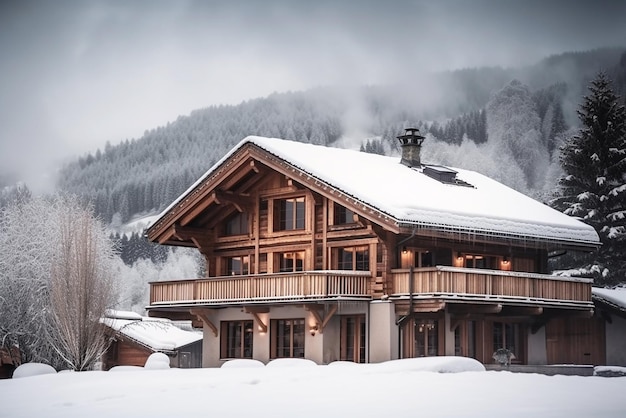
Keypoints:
pixel 575 341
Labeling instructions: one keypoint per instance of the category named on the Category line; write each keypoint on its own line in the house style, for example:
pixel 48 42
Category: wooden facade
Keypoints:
pixel 291 254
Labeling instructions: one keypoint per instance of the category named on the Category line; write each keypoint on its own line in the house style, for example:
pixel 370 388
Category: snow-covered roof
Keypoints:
pixel 412 198
pixel 158 334
pixel 615 297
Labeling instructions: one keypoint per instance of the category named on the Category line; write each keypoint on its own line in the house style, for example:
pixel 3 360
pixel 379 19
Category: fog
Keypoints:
pixel 76 74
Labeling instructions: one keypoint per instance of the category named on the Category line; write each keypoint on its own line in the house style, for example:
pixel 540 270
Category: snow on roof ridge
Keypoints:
pixel 474 210
pixel 567 229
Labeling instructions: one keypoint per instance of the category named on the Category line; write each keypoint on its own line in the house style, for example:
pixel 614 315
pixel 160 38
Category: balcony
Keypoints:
pixel 264 288
pixel 457 284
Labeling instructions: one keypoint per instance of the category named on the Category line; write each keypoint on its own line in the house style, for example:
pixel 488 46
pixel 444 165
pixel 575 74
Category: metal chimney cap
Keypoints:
pixel 411 136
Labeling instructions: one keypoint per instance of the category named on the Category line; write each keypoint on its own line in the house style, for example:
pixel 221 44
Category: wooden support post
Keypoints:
pixel 202 314
pixel 320 321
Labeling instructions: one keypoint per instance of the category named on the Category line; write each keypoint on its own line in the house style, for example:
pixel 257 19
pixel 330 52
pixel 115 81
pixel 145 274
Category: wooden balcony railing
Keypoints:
pixel 463 283
pixel 262 288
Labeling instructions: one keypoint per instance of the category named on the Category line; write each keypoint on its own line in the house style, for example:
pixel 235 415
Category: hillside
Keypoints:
pixel 460 111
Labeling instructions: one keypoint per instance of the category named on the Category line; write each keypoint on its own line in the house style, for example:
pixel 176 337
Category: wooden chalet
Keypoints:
pixel 331 254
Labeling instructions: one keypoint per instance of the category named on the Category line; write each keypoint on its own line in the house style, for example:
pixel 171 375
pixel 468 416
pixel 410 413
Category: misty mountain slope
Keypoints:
pixel 466 114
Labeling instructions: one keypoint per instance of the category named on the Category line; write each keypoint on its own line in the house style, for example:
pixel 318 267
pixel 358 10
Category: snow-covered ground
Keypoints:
pixel 429 387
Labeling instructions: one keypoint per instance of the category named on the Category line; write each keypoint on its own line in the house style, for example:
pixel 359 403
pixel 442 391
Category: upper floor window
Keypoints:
pixel 342 215
pixel 353 258
pixel 237 224
pixel 292 261
pixel 479 261
pixel 238 265
pixel 291 214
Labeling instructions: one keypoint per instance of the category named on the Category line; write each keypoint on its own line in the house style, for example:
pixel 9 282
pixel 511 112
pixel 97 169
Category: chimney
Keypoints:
pixel 411 143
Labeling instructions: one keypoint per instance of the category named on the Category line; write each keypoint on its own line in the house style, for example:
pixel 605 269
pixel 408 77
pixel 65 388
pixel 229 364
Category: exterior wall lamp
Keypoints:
pixel 313 330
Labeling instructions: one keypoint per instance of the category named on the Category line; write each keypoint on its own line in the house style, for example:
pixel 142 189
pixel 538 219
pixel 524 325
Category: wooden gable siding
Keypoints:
pixel 125 353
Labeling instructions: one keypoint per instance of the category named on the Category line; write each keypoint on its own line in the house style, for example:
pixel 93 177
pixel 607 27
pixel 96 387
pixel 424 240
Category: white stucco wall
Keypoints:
pixel 383 332
pixel 322 347
pixel 616 341
pixel 537 351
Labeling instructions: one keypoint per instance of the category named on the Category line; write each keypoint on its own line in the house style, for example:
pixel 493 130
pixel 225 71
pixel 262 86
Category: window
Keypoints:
pixel 480 261
pixel 291 214
pixel 293 261
pixel 506 335
pixel 423 259
pixel 420 338
pixel 236 339
pixel 238 265
pixel 287 338
pixel 352 346
pixel 237 224
pixel 342 215
pixel 353 258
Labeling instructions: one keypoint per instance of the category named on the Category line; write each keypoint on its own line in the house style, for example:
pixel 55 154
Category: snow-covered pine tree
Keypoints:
pixel 593 186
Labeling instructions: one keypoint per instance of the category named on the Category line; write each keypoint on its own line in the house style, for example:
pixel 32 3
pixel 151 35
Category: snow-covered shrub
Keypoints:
pixel 32 369
pixel 157 361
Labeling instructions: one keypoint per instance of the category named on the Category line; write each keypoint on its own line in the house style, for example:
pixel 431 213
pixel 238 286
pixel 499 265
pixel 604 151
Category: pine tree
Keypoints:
pixel 594 184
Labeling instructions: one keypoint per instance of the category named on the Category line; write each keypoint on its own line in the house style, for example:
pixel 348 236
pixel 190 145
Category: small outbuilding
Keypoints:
pixel 610 305
pixel 135 337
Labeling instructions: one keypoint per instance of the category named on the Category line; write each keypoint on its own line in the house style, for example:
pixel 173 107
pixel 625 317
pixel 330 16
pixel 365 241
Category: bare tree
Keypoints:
pixel 81 287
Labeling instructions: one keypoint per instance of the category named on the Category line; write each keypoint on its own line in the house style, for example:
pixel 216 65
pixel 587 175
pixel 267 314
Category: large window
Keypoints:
pixel 236 339
pixel 353 258
pixel 287 338
pixel 292 261
pixel 238 265
pixel 352 345
pixel 342 215
pixel 237 224
pixel 291 214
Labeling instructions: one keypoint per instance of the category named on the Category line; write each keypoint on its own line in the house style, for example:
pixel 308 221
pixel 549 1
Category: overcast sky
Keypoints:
pixel 75 74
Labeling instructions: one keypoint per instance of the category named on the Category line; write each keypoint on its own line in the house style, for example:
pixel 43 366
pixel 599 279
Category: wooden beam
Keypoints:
pixel 239 201
pixel 320 321
pixel 522 310
pixel 420 307
pixel 475 308
pixel 200 237
pixel 255 311
pixel 202 314
pixel 328 316
pixel 259 322
pixel 197 209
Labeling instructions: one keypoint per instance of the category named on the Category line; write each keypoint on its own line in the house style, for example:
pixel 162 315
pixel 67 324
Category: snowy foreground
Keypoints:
pixel 439 386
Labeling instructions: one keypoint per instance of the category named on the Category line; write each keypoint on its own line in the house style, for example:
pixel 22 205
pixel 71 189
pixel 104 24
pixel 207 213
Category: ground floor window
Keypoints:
pixel 236 339
pixel 352 346
pixel 506 335
pixel 420 338
pixel 287 338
